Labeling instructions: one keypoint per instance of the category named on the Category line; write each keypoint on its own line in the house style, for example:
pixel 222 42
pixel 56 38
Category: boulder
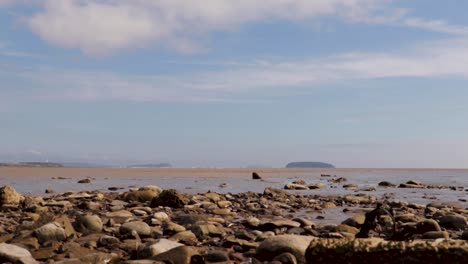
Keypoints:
pixel 88 224
pixel 277 245
pixel 427 225
pixel 374 250
pixel 15 254
pixel 170 198
pixel 141 228
pixel 453 221
pixel 8 195
pixel 50 232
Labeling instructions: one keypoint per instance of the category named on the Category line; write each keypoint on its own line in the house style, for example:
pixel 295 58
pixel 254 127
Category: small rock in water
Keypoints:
pixel 84 181
pixel 255 176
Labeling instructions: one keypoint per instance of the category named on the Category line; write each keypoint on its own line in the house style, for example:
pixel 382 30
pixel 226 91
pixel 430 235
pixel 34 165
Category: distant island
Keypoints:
pixel 156 165
pixel 309 164
pixel 32 164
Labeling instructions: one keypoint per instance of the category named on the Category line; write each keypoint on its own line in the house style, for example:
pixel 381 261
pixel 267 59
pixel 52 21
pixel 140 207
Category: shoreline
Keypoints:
pixel 147 224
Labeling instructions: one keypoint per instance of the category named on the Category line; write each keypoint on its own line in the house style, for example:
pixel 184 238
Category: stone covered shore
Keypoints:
pixel 151 225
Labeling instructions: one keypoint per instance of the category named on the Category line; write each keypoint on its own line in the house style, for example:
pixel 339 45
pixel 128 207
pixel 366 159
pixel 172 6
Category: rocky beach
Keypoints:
pixel 150 224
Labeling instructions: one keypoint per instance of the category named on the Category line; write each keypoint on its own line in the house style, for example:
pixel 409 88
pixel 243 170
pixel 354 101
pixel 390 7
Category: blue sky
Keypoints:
pixel 228 83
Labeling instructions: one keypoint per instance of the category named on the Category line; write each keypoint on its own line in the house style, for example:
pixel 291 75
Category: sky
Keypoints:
pixel 235 83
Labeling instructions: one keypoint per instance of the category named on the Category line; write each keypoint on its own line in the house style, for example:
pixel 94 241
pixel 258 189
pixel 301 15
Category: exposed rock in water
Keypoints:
pixel 255 176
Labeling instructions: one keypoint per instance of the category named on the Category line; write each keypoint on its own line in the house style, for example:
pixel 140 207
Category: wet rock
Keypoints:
pixel 386 184
pixel 88 224
pixel 170 198
pixel 316 186
pixel 427 225
pixel 338 180
pixel 453 221
pixel 271 225
pixel 412 184
pixel 277 245
pixel 294 186
pixel 273 192
pixel 141 228
pixel 436 235
pixel 255 176
pixel 50 232
pixel 120 214
pixel 8 195
pixel 154 249
pixel 15 254
pixel 84 181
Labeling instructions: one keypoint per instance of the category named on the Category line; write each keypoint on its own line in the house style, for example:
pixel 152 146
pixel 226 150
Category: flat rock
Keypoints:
pixel 141 228
pixel 15 254
pixel 154 249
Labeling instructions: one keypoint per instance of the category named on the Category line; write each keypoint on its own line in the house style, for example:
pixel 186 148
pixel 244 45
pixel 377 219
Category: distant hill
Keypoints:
pixel 32 164
pixel 309 164
pixel 156 165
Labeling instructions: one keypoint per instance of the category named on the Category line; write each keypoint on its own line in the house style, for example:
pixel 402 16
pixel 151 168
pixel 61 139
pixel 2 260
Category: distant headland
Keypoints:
pixel 309 164
pixel 33 164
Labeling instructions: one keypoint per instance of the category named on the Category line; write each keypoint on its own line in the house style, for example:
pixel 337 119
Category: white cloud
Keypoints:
pixel 236 81
pixel 100 27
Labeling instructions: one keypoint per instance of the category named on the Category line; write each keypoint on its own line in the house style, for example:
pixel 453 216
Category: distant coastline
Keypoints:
pixel 33 164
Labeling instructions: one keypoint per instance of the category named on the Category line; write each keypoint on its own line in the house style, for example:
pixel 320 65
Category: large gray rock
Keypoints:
pixel 141 228
pixel 50 232
pixel 374 250
pixel 88 224
pixel 277 245
pixel 154 249
pixel 8 195
pixel 15 254
pixel 179 255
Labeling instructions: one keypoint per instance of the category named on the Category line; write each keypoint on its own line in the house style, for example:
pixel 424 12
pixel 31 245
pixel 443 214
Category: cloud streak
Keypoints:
pixel 175 23
pixel 246 80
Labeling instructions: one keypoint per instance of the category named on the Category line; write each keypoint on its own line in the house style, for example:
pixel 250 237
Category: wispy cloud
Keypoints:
pixel 174 23
pixel 244 80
